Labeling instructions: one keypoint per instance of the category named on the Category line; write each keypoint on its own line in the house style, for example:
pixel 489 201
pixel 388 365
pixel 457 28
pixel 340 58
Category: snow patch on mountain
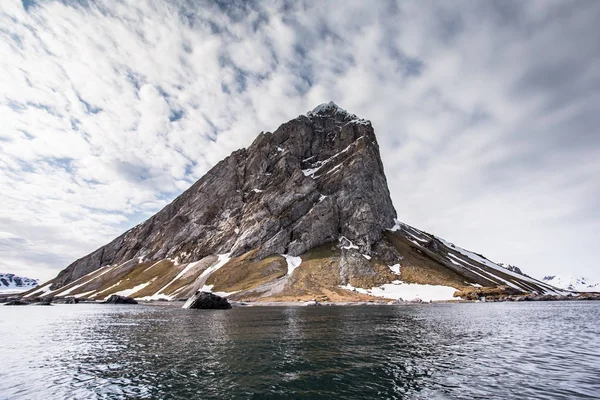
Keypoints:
pixel 399 290
pixel 499 273
pixel 292 263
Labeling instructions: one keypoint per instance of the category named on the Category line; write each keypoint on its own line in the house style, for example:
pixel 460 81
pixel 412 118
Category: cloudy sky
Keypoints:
pixel 487 114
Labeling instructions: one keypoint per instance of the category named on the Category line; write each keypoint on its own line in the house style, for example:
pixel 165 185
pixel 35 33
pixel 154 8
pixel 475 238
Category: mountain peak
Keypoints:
pixel 327 108
pixel 308 183
pixel 303 213
pixel 331 109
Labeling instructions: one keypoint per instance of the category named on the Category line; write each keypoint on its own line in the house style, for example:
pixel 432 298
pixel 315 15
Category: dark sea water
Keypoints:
pixel 440 351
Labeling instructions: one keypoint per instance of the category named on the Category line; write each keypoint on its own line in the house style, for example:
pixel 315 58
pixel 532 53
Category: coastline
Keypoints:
pixel 376 301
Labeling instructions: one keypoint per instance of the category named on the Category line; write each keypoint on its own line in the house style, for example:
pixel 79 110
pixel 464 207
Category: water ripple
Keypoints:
pixel 464 351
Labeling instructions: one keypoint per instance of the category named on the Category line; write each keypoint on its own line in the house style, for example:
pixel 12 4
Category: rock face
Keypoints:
pixel 43 303
pixel 16 303
pixel 115 299
pixel 207 301
pixel 512 268
pixel 303 213
pixel 315 179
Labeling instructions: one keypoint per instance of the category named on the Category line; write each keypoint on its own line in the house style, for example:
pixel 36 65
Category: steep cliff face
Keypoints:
pixel 317 178
pixel 304 212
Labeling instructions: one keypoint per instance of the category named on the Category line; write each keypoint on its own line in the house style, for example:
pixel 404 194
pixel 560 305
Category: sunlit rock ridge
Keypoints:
pixel 303 212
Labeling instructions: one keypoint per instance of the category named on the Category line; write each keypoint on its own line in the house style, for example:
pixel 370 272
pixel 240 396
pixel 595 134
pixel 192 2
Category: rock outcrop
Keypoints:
pixel 315 179
pixel 207 301
pixel 115 299
pixel 303 213
pixel 16 303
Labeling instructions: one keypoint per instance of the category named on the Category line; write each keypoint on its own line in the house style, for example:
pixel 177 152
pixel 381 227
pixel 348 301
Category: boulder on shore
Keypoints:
pixel 66 300
pixel 207 301
pixel 116 299
pixel 16 303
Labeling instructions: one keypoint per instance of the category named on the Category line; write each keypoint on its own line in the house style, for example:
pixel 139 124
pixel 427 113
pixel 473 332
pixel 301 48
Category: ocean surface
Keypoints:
pixel 429 351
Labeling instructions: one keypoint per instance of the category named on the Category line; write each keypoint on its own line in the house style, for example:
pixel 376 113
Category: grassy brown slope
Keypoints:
pixel 320 268
pixel 84 284
pixel 423 267
pixel 100 280
pixel 326 267
pixel 159 273
pixel 37 288
pixel 325 294
pixel 368 274
pixel 244 273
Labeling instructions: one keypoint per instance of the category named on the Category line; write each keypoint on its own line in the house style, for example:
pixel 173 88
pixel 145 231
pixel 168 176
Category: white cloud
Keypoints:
pixel 482 112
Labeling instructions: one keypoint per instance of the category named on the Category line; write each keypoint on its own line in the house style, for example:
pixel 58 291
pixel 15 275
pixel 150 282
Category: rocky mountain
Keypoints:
pixel 512 268
pixel 14 283
pixel 572 283
pixel 304 212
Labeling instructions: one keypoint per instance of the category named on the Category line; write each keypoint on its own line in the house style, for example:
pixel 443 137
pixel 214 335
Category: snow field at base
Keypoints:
pixel 407 291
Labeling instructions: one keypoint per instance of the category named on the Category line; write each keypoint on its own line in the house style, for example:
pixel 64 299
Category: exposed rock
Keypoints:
pixel 16 303
pixel 316 178
pixel 42 303
pixel 589 296
pixel 115 299
pixel 302 213
pixel 433 245
pixel 207 301
pixel 475 293
pixel 46 299
pixel 66 300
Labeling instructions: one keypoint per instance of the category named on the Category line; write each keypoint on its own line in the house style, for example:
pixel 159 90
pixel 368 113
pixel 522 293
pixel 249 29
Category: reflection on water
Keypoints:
pixel 487 351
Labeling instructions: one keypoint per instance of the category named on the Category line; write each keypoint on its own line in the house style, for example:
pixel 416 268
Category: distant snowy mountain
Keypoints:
pixel 13 283
pixel 577 284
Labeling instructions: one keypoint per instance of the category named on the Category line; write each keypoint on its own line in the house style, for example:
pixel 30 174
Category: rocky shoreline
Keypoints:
pixel 17 300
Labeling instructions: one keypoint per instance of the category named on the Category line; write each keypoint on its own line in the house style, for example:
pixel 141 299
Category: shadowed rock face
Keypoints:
pixel 115 299
pixel 317 178
pixel 207 301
